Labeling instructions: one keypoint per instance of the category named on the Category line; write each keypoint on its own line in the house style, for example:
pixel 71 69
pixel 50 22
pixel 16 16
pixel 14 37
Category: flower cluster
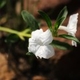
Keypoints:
pixel 39 43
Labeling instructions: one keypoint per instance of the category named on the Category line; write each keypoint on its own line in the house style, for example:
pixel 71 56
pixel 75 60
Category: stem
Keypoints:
pixel 8 30
pixel 24 34
pixel 26 30
pixel 21 34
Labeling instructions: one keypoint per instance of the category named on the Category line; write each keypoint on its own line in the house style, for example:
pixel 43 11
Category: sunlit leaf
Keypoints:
pixel 2 3
pixel 60 19
pixel 30 20
pixel 61 45
pixel 47 19
pixel 69 37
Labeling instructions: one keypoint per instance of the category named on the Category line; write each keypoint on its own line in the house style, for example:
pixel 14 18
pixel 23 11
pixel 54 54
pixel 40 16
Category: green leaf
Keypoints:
pixel 61 45
pixel 2 3
pixel 58 23
pixel 60 19
pixel 47 19
pixel 29 53
pixel 30 20
pixel 69 37
pixel 11 38
pixel 63 13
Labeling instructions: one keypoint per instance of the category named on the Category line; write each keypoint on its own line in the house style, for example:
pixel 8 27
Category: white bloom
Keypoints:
pixel 39 44
pixel 71 28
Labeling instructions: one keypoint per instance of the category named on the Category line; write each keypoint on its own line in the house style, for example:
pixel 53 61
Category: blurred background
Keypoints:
pixel 15 64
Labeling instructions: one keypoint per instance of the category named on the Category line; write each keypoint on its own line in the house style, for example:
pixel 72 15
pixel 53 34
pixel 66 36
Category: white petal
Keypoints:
pixel 72 24
pixel 36 36
pixel 33 47
pixel 63 28
pixel 45 52
pixel 41 37
pixel 36 33
pixel 38 42
pixel 46 37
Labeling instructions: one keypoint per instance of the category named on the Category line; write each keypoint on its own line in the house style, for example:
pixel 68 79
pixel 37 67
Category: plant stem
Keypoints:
pixel 8 30
pixel 21 34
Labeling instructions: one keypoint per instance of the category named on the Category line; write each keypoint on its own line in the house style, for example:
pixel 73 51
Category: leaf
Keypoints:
pixel 61 45
pixel 11 38
pixel 63 13
pixel 58 23
pixel 61 17
pixel 30 20
pixel 2 3
pixel 47 19
pixel 69 37
pixel 29 53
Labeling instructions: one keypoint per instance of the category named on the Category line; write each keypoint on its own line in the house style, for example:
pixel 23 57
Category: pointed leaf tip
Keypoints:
pixel 47 19
pixel 30 20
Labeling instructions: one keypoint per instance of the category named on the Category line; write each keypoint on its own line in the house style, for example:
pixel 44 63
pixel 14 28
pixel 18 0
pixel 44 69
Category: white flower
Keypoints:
pixel 39 44
pixel 71 28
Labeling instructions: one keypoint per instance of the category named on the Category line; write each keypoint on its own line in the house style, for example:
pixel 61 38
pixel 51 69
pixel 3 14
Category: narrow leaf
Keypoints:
pixel 58 23
pixel 30 20
pixel 29 53
pixel 12 38
pixel 69 37
pixel 2 3
pixel 61 45
pixel 60 19
pixel 63 13
pixel 47 19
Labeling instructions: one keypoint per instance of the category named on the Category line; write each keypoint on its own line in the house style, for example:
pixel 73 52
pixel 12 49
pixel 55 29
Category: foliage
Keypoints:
pixel 47 19
pixel 34 25
pixel 60 19
pixel 61 45
pixel 69 37
pixel 30 20
pixel 2 3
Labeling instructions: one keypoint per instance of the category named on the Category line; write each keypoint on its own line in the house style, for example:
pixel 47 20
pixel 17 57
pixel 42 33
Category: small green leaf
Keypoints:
pixel 2 3
pixel 11 38
pixel 47 19
pixel 29 53
pixel 61 45
pixel 30 20
pixel 69 37
pixel 63 13
pixel 60 19
pixel 58 23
